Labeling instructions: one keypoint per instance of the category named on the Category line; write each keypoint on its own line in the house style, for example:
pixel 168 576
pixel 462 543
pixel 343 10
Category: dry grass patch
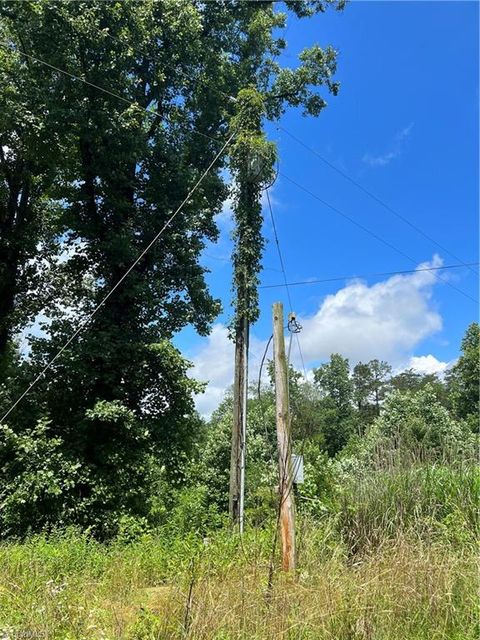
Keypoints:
pixel 77 589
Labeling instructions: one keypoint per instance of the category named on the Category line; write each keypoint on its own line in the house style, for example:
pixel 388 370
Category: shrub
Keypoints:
pixel 419 424
pixel 36 480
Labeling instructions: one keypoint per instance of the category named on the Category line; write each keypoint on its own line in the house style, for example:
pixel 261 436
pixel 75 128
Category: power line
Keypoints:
pixel 286 285
pixel 83 323
pixel 280 257
pixel 369 231
pixel 370 275
pixel 376 198
pixel 289 446
pixel 229 260
pixel 107 91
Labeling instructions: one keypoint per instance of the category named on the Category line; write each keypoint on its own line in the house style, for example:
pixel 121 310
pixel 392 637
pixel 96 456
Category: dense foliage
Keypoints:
pixel 110 112
pixel 388 524
pixel 353 425
pixel 92 165
pixel 113 490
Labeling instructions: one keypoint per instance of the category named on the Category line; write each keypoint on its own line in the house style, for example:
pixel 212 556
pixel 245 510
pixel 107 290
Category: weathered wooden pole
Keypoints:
pixel 286 505
pixel 237 459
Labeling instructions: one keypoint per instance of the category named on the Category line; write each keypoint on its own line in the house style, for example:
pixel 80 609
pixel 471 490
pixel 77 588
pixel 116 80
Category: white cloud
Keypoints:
pixel 213 362
pixel 386 320
pixel 396 149
pixel 428 364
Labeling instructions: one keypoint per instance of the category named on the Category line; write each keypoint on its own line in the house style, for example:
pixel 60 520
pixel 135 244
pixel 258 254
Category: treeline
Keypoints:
pixel 359 426
pixel 109 114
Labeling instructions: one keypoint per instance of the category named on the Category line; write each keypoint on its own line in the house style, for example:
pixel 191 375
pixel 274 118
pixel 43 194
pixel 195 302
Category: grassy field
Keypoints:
pixel 69 586
pixel 393 558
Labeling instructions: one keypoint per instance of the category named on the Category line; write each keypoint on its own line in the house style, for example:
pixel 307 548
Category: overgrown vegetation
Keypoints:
pixel 113 490
pixel 110 113
pixel 176 586
pixel 387 533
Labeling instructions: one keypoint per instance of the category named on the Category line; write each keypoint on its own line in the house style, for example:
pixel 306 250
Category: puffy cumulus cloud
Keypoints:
pixel 385 320
pixel 428 364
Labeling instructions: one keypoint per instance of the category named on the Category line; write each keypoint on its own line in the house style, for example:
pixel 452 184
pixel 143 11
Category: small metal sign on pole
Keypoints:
pixel 297 469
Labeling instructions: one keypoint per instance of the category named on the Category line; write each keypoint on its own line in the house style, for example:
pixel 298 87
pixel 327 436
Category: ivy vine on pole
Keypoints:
pixel 252 160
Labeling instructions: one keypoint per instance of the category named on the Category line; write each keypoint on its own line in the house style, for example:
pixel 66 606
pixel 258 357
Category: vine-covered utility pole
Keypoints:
pixel 252 159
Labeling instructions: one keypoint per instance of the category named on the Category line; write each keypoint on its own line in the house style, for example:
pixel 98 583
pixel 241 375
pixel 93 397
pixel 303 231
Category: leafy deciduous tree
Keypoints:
pixel 130 153
pixel 334 382
pixel 463 380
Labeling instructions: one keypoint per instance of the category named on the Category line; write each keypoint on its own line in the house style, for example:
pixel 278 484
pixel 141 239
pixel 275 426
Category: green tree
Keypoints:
pixel 411 380
pixel 306 409
pixel 182 60
pixel 267 90
pixel 211 464
pixel 463 380
pixel 381 371
pixel 334 381
pixel 417 424
pixel 124 393
pixel 336 387
pixel 30 150
pixel 363 381
pixel 121 395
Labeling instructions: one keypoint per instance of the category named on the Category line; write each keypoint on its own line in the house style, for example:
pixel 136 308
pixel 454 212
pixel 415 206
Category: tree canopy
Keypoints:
pixel 111 112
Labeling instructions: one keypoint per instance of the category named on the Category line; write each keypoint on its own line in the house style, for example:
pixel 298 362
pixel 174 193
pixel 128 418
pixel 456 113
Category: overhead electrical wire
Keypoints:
pixel 84 323
pixel 283 478
pixel 229 260
pixel 370 275
pixel 280 256
pixel 369 193
pixel 293 331
pixel 286 285
pixel 369 231
pixel 298 140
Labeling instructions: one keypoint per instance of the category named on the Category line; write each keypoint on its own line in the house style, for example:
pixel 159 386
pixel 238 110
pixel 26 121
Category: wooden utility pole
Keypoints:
pixel 286 507
pixel 239 426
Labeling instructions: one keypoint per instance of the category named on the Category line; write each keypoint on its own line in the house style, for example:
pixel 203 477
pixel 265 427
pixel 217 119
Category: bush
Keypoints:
pixel 418 424
pixel 36 481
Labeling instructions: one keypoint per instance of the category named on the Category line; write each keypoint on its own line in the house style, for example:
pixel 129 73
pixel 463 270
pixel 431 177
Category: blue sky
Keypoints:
pixel 405 126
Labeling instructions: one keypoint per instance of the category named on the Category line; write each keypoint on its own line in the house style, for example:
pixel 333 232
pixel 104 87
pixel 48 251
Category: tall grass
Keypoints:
pixel 69 587
pixel 429 501
pixel 395 560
